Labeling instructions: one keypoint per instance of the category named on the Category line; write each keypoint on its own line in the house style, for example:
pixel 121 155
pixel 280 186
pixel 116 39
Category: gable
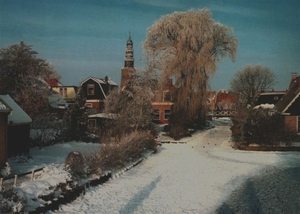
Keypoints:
pixel 18 115
pixel 102 87
pixel 294 108
pixel 98 90
pixel 288 99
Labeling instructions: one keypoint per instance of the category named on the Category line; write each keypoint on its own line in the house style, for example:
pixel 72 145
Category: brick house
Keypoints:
pixel 162 103
pixel 289 105
pixel 226 100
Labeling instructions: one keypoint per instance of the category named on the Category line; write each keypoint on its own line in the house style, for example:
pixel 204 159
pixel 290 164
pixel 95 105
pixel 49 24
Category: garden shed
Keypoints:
pixel 18 128
pixel 5 110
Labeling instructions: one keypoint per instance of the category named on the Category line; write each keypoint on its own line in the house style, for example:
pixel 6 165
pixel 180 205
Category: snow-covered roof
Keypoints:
pixel 103 115
pixel 265 106
pixel 18 115
pixel 100 81
pixel 4 107
pixel 56 101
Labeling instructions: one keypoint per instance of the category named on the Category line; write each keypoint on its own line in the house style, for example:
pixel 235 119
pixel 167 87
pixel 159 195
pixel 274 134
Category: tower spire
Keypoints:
pixel 128 71
pixel 129 60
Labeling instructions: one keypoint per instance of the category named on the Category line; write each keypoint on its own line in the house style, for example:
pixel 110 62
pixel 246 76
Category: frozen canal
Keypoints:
pixel 204 175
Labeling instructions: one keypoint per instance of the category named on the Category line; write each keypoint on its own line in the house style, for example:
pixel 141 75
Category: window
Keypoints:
pixel 167 114
pixel 167 96
pixel 89 105
pixel 90 89
pixel 63 92
pixel 156 114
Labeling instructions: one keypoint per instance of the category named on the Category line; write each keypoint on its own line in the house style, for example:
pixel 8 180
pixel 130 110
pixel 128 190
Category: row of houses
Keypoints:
pixel 15 123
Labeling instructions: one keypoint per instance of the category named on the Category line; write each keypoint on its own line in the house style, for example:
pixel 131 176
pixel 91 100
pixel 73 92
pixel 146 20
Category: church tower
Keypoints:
pixel 128 70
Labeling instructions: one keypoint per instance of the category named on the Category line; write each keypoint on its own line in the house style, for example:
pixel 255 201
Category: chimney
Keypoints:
pixel 294 76
pixel 106 79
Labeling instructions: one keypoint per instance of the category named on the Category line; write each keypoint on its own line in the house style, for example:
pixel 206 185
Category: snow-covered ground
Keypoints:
pixel 202 175
pixel 55 154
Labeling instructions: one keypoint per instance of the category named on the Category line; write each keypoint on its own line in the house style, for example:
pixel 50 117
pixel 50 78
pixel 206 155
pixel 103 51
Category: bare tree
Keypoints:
pixel 186 46
pixel 250 80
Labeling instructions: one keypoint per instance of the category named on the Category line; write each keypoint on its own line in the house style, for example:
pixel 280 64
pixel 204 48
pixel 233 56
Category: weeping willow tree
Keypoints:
pixel 186 46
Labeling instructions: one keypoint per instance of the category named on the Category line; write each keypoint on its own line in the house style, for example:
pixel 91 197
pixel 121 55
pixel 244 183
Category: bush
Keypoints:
pixel 179 124
pixel 11 201
pixel 5 170
pixel 112 156
pixel 260 126
pixel 117 155
pixel 75 163
pixel 238 119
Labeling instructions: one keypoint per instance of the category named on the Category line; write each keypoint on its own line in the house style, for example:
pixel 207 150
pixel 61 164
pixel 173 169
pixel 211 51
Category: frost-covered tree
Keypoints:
pixel 21 76
pixel 131 107
pixel 186 46
pixel 250 80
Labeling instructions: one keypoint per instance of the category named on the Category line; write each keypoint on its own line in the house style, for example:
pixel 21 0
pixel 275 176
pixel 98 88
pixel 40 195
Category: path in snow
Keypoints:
pixel 201 176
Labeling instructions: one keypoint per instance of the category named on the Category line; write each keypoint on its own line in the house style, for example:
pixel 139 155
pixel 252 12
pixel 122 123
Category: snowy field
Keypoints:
pixel 203 175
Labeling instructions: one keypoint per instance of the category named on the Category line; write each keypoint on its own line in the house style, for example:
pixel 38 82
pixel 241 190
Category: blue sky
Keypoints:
pixel 83 38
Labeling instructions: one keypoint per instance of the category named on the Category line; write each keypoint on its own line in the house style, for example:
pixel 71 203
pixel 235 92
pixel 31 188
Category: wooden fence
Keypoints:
pixel 15 177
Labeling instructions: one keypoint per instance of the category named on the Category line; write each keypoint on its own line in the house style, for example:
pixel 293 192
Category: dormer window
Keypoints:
pixel 90 89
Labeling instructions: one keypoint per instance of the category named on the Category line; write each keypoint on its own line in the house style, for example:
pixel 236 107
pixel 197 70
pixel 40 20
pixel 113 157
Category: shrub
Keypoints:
pixel 179 125
pixel 265 127
pixel 112 156
pixel 11 201
pixel 238 119
pixel 5 170
pixel 130 147
pixel 75 163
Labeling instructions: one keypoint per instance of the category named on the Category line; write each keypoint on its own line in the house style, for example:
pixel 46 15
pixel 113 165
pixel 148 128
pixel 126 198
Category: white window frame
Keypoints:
pixel 90 86
pixel 156 114
pixel 167 113
pixel 89 105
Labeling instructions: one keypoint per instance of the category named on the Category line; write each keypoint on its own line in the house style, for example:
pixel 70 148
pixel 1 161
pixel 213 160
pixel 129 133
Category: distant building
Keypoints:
pixel 226 100
pixel 289 105
pixel 67 93
pixel 96 90
pixel 162 103
pixel 128 70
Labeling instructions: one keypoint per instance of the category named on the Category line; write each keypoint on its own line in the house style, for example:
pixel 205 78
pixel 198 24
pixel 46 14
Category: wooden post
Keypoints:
pixel 15 181
pixel 32 175
pixel 1 182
